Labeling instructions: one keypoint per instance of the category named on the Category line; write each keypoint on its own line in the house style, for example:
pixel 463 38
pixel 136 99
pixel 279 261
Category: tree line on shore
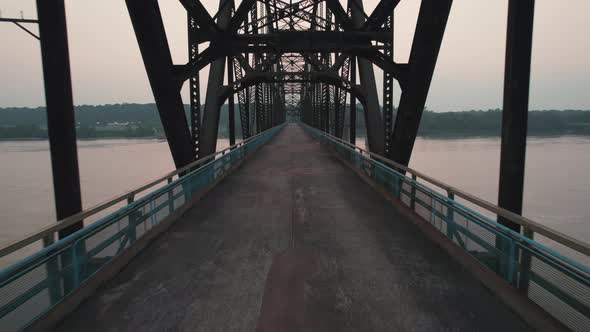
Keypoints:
pixel 142 120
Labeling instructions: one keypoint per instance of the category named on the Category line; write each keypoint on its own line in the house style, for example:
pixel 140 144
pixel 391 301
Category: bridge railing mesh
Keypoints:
pixel 549 273
pixel 31 287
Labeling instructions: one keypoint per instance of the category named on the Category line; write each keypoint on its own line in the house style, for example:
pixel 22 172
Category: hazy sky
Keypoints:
pixel 107 67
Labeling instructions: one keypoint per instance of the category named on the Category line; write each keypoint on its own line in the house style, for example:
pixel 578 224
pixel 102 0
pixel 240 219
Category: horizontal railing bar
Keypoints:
pixel 546 231
pixel 61 224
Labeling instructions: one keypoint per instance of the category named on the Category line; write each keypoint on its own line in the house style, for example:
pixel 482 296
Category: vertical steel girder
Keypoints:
pixel 259 104
pixel 61 125
pixel 352 116
pixel 256 90
pixel 373 120
pixel 318 105
pixel 278 106
pixel 329 88
pixel 210 126
pixel 194 88
pixel 230 104
pixel 243 102
pixel 265 105
pixel 515 109
pixel 340 107
pixel 388 86
pixel 325 107
pixel 432 21
pixel 151 37
pixel 268 105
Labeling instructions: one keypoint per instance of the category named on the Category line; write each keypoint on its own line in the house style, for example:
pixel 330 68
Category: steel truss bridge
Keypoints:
pixel 261 249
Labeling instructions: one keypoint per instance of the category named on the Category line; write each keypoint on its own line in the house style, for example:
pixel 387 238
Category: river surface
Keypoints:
pixel 557 185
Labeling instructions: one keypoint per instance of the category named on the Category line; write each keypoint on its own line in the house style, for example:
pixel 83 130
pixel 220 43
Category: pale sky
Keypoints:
pixel 107 67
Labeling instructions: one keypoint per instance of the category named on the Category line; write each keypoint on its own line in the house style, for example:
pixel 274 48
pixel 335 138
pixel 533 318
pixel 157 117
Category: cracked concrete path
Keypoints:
pixel 293 241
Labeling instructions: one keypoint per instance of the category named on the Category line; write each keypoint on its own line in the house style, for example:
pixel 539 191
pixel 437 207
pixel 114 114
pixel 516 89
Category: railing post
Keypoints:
pixel 170 197
pixel 507 259
pixel 450 214
pixel 413 193
pixel 76 271
pixel 132 221
pixel 153 213
pixel 53 274
pixel 512 263
pixel 525 264
pixel 189 184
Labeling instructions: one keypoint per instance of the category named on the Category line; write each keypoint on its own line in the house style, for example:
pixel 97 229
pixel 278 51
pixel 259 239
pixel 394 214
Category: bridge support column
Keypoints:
pixel 373 120
pixel 151 37
pixel 210 125
pixel 515 109
pixel 61 127
pixel 430 28
pixel 514 127
pixel 61 124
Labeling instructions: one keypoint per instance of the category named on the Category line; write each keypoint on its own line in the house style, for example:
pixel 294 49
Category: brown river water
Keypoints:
pixel 557 185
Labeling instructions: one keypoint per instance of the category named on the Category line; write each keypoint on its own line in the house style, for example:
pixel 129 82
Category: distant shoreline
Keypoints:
pixel 142 121
pixel 449 136
pixel 38 139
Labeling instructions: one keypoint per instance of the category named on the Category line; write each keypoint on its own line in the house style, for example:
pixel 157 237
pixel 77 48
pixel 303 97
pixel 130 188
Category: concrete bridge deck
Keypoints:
pixel 293 241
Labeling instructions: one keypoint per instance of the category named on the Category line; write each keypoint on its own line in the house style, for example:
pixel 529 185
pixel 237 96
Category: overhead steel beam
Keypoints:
pixel 240 15
pixel 199 13
pixel 515 109
pixel 280 42
pixel 151 37
pixel 243 62
pixel 340 14
pixel 315 63
pixel 380 14
pixel 61 124
pixel 254 78
pixel 267 63
pixel 212 108
pixel 373 120
pixel 430 28
pixel 343 38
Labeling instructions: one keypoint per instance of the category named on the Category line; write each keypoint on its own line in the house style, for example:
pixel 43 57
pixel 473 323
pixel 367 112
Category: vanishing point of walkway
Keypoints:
pixel 293 241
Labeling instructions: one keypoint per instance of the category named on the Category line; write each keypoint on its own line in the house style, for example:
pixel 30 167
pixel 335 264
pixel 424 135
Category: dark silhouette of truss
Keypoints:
pixel 291 59
pixel 308 60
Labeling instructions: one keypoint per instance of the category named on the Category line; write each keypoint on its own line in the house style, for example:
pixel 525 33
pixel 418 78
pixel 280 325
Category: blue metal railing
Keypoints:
pixel 32 286
pixel 547 276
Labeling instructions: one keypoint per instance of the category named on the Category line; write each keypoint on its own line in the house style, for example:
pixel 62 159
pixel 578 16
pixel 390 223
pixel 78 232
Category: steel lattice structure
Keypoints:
pixel 295 59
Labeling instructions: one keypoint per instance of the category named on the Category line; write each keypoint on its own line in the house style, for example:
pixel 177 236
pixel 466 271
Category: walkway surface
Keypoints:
pixel 293 241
